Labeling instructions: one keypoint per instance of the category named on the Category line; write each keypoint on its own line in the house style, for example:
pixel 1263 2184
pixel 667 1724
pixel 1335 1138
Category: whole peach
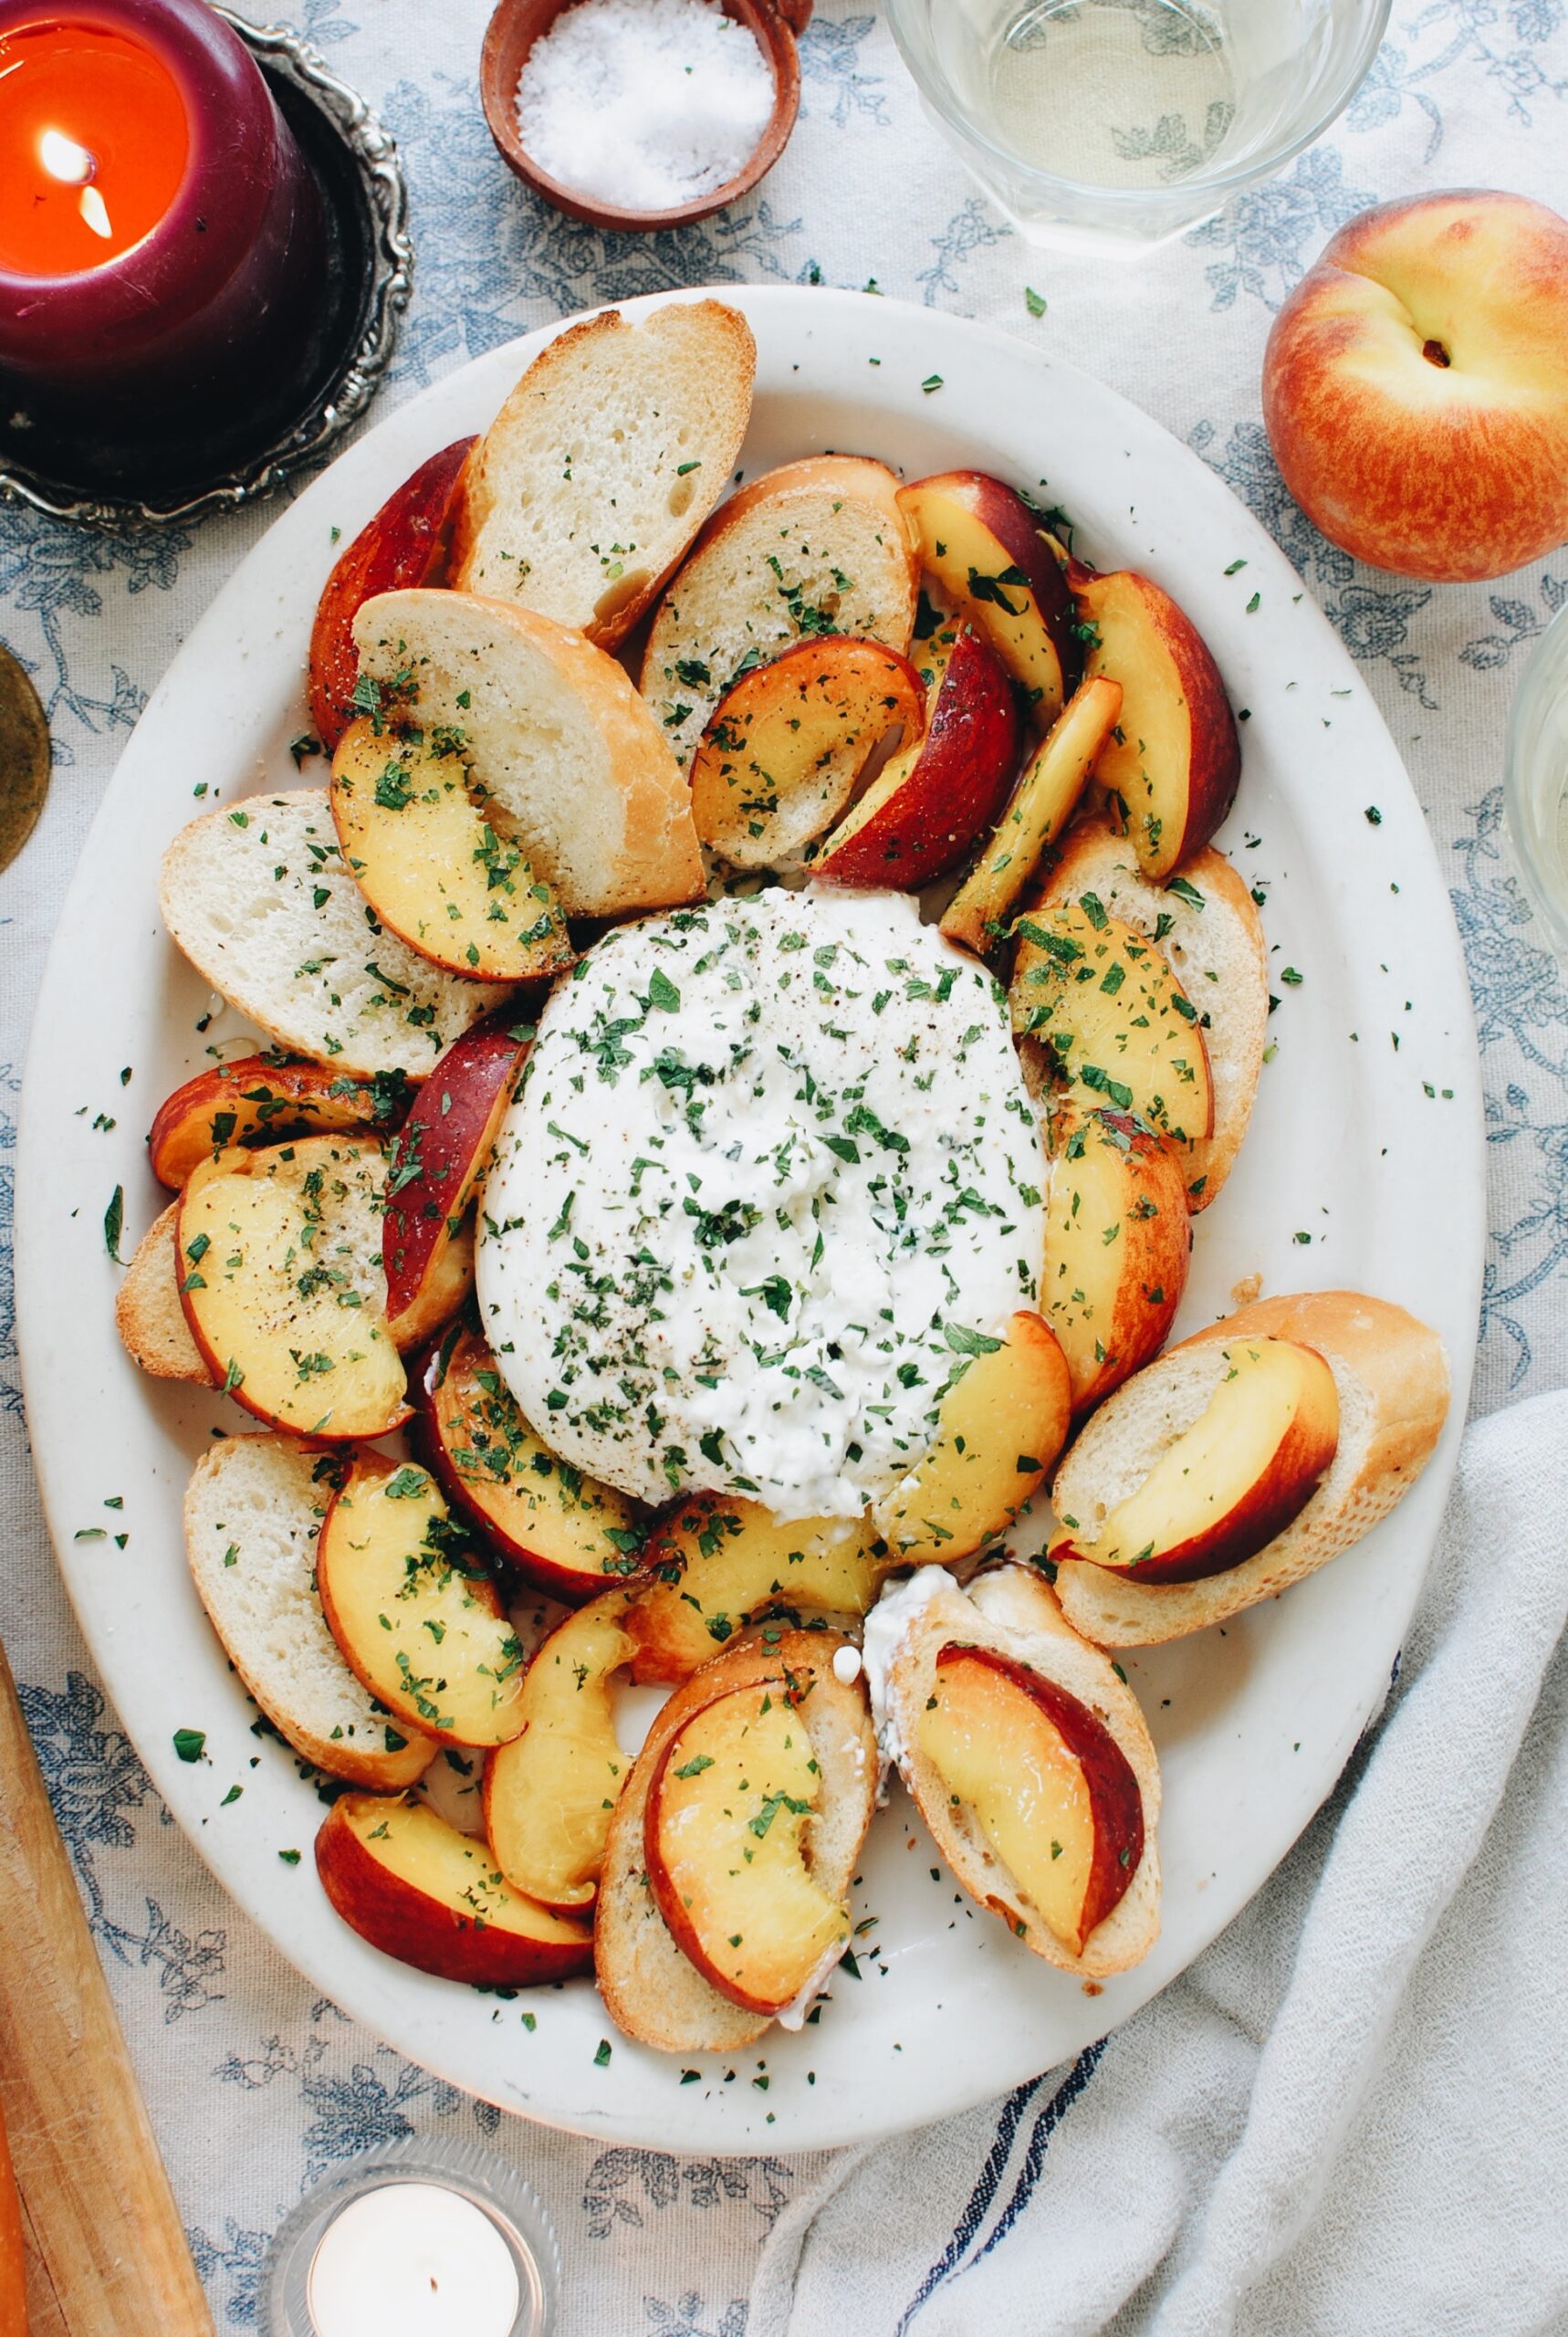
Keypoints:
pixel 1416 386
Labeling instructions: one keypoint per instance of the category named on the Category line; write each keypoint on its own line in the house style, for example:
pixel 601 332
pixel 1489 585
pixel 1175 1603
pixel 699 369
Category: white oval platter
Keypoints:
pixel 1363 1169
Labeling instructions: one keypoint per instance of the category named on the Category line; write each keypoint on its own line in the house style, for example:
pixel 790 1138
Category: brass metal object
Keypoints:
pixel 23 758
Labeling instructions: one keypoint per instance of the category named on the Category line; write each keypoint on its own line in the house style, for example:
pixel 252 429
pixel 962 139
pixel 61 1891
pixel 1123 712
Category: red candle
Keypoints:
pixel 160 232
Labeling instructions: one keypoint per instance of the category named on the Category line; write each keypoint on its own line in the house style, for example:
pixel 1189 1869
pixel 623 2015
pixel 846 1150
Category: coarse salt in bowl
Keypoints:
pixel 644 105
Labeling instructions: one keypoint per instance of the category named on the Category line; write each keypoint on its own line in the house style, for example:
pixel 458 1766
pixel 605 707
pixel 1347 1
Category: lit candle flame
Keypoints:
pixel 64 159
pixel 73 165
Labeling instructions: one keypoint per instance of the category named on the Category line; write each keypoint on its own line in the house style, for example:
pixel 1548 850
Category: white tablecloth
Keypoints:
pixel 255 2087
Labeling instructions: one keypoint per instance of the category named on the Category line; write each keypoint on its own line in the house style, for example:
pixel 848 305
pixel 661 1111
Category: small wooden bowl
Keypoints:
pixel 517 24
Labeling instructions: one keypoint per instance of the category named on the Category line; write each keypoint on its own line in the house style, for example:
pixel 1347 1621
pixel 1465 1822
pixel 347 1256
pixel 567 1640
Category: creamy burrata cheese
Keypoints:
pixel 771 1179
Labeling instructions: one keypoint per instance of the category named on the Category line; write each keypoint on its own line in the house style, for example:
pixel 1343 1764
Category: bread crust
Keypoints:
pixel 722 343
pixel 1017 1613
pixel 658 863
pixel 1095 858
pixel 1377 1351
pixel 650 1989
pixel 147 1310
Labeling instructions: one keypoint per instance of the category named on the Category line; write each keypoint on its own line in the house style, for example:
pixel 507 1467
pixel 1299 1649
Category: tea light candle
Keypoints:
pixel 412 2259
pixel 160 232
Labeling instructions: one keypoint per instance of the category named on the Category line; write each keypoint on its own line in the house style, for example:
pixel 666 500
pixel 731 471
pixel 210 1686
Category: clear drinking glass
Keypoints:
pixel 1111 125
pixel 1535 786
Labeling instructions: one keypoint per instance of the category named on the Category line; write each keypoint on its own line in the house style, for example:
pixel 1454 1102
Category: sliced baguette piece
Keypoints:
pixel 584 494
pixel 649 1987
pixel 1214 945
pixel 253 1512
pixel 148 1313
pixel 1015 1611
pixel 1392 1378
pixel 570 762
pixel 820 546
pixel 260 902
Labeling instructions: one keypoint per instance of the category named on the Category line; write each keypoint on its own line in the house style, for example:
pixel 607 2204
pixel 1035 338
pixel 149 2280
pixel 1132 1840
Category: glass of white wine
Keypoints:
pixel 1535 789
pixel 1115 124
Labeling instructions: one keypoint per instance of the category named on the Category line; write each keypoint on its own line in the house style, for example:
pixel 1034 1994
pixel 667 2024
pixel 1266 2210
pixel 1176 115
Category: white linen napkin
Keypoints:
pixel 1351 2115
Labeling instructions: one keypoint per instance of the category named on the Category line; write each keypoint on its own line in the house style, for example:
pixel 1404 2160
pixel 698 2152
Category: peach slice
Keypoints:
pixel 1233 1481
pixel 443 1152
pixel 549 1794
pixel 785 743
pixel 257 1099
pixel 409 819
pixel 984 545
pixel 1173 769
pixel 998 1429
pixel 281 1289
pixel 718 1564
pixel 725 1840
pixel 1116 1024
pixel 1118 1240
pixel 418 1620
pixel 1055 1796
pixel 1000 1425
pixel 405 543
pixel 417 1888
pixel 930 800
pixel 1042 803
pixel 566 1532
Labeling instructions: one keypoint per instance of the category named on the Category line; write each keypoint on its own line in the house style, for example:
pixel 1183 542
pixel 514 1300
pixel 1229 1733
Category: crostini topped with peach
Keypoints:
pixel 720 1153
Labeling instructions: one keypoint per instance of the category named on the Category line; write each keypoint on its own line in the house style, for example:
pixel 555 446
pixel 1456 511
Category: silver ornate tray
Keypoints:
pixel 103 484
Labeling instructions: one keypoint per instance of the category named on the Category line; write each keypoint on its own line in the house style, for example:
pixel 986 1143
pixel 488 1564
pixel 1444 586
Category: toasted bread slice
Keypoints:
pixel 253 1511
pixel 260 902
pixel 649 1987
pixel 1392 1378
pixel 1214 945
pixel 569 763
pixel 1016 1612
pixel 148 1313
pixel 820 546
pixel 603 463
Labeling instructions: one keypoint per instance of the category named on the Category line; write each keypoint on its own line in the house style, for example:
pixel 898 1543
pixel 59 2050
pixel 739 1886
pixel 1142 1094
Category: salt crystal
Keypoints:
pixel 644 105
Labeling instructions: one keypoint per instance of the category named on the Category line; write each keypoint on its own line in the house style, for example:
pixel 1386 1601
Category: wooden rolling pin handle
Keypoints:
pixel 106 2251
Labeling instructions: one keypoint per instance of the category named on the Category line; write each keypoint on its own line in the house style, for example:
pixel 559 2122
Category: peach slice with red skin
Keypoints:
pixel 1172 770
pixel 562 1531
pixel 259 1099
pixel 443 1150
pixel 550 1792
pixel 417 1888
pixel 405 543
pixel 279 1285
pixel 984 548
pixel 928 804
pixel 1118 1241
pixel 785 743
pixel 1042 803
pixel 411 823
pixel 725 1839
pixel 1233 1481
pixel 419 1622
pixel 999 1428
pixel 717 1565
pixel 1054 1794
pixel 1102 1001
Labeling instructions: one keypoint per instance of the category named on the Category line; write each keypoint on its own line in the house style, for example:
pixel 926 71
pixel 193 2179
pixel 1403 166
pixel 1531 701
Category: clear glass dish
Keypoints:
pixel 1113 125
pixel 511 2203
pixel 1535 779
